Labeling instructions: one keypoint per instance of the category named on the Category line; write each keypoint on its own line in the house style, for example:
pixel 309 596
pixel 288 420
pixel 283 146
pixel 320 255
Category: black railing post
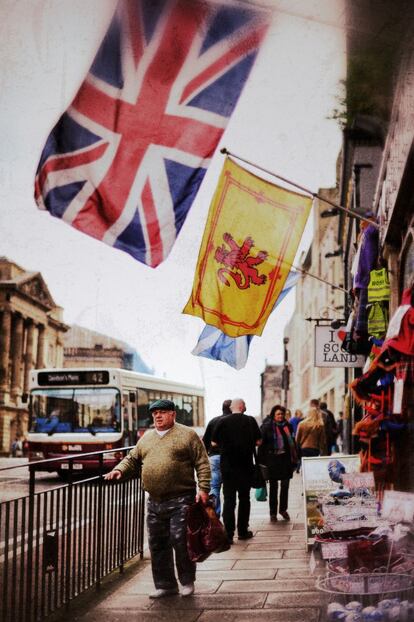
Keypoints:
pixel 142 515
pixel 30 530
pixel 100 523
pixel 123 530
pixel 109 522
pixel 69 534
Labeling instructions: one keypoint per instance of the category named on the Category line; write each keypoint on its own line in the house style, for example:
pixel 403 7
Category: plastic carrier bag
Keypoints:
pixel 205 532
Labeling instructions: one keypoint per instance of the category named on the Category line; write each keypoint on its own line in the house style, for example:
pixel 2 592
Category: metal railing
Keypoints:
pixel 58 543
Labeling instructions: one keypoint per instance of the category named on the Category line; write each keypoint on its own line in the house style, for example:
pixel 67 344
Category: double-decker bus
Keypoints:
pixel 75 411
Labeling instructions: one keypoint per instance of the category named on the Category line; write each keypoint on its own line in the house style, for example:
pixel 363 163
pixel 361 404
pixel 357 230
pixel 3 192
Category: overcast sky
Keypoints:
pixel 281 123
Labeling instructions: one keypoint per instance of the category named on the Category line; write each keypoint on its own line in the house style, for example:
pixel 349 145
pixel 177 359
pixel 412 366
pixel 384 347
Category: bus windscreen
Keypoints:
pixel 62 410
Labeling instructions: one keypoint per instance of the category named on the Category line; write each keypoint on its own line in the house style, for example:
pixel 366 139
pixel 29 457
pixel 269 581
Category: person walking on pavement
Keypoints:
pixel 169 455
pixel 236 435
pixel 294 422
pixel 316 403
pixel 331 429
pixel 214 456
pixel 296 419
pixel 310 435
pixel 278 453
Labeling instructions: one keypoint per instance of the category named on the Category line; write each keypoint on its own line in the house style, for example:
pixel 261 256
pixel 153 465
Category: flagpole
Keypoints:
pixel 315 195
pixel 318 278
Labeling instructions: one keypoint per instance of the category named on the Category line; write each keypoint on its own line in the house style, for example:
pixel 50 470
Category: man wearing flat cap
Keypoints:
pixel 169 455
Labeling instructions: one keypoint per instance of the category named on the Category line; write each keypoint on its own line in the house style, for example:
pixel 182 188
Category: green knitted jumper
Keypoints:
pixel 168 462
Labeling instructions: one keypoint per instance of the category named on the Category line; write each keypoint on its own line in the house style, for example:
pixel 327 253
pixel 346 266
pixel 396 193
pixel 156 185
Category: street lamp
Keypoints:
pixel 285 371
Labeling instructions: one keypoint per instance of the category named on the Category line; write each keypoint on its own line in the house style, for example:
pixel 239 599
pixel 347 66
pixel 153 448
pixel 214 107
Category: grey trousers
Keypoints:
pixel 167 532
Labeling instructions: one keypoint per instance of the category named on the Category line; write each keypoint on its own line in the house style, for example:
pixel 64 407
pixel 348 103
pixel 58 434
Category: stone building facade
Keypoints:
pixel 316 300
pixel 271 388
pixel 88 348
pixel 378 171
pixel 31 335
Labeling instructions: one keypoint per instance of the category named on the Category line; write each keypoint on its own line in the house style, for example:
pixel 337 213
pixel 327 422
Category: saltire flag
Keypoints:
pixel 251 237
pixel 124 162
pixel 213 344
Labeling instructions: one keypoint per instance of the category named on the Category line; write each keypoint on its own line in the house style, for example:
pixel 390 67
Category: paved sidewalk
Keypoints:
pixel 266 578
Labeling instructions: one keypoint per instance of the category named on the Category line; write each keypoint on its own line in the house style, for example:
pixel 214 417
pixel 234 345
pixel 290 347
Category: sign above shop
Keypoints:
pixel 328 350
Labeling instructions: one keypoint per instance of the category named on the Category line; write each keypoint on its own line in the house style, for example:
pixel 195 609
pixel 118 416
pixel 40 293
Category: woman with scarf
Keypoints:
pixel 278 454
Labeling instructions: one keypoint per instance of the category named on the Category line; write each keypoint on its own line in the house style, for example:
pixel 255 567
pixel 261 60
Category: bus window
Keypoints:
pixel 187 411
pixel 200 411
pixel 96 410
pixel 144 416
pixel 178 401
pixel 130 418
pixel 195 410
pixel 74 410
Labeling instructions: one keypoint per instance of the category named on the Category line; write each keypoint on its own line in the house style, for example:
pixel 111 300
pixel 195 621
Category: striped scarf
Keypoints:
pixel 283 440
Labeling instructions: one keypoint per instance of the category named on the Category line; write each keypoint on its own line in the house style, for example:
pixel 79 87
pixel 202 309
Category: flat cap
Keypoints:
pixel 162 405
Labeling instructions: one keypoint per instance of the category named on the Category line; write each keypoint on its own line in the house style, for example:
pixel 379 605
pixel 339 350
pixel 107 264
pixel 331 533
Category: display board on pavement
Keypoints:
pixel 337 496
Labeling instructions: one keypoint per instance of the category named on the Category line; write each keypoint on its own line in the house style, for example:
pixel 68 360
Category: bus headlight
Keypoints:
pixel 36 455
pixel 113 455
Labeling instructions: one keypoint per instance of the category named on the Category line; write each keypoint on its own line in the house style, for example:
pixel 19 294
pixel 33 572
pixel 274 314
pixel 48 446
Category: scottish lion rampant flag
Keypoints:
pixel 213 344
pixel 124 162
pixel 250 240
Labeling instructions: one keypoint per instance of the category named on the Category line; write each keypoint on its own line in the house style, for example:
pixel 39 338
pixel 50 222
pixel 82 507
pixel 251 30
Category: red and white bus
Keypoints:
pixel 76 411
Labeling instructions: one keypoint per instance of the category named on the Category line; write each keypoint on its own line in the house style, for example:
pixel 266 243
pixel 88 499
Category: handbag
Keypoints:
pixel 261 494
pixel 205 532
pixel 265 471
pixel 257 480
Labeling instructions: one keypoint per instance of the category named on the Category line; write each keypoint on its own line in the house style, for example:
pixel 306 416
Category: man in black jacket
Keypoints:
pixel 236 435
pixel 331 429
pixel 214 455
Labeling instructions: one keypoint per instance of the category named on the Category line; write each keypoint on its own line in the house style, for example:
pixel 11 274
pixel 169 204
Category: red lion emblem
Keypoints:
pixel 239 263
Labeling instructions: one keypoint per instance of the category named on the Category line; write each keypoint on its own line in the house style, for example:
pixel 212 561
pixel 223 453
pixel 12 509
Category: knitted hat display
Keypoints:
pixel 367 428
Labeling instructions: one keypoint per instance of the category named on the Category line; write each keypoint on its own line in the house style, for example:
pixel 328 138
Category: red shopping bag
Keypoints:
pixel 205 532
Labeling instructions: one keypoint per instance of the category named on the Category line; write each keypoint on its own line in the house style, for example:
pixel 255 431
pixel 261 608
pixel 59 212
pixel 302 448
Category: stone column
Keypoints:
pixel 28 357
pixel 40 360
pixel 59 352
pixel 5 337
pixel 16 354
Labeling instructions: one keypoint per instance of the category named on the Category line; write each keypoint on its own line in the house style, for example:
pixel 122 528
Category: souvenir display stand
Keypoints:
pixel 366 539
pixel 369 569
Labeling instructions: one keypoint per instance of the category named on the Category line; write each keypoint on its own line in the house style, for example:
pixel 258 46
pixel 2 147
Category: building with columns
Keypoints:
pixel 31 336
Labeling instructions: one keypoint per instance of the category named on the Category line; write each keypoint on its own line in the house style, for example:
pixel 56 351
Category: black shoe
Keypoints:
pixel 285 515
pixel 273 518
pixel 246 536
pixel 230 539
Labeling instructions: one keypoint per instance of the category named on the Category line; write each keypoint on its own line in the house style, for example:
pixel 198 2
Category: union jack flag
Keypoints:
pixel 124 162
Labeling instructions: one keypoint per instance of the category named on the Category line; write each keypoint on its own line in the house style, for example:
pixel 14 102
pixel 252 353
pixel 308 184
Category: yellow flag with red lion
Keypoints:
pixel 251 237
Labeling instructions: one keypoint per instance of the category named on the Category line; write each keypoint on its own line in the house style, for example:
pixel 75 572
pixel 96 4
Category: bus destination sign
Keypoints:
pixel 62 378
